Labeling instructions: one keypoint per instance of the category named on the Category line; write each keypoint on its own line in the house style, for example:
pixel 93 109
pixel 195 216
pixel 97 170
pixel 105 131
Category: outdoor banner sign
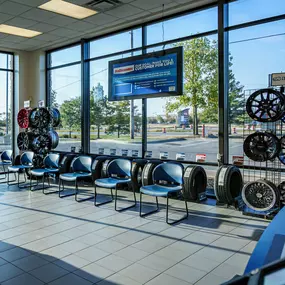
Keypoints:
pixel 135 153
pixel 125 152
pixel 180 156
pixel 101 151
pixel 113 151
pixel 27 104
pixel 156 74
pixel 200 157
pixel 163 155
pixel 238 160
pixel 41 103
pixel 148 154
pixel 277 79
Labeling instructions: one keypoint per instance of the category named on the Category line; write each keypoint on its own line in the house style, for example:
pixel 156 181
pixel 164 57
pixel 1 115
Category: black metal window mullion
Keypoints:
pixel 223 77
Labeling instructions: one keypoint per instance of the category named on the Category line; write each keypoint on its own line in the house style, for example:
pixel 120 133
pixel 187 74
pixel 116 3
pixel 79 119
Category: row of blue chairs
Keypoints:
pixel 167 179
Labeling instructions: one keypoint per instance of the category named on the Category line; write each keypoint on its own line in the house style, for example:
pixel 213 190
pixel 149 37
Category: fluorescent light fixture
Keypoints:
pixel 67 9
pixel 11 30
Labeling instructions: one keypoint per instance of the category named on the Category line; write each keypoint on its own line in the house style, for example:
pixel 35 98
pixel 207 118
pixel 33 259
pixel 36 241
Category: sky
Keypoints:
pixel 257 51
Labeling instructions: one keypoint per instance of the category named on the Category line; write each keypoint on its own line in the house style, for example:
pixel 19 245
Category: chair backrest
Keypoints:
pixel 119 167
pixel 170 172
pixel 81 164
pixel 27 158
pixel 51 160
pixel 6 156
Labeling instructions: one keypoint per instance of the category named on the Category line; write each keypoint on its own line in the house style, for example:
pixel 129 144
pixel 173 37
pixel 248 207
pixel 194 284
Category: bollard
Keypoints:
pixel 203 131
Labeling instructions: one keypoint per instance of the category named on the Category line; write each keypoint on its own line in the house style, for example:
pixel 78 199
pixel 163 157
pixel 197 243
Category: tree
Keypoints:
pixel 52 99
pixel 201 82
pixel 71 113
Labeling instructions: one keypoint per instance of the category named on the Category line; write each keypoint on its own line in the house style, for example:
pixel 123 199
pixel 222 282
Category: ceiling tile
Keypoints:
pixel 32 3
pixel 38 15
pixel 22 46
pixel 2 35
pixel 124 11
pixel 21 22
pixel 150 4
pixel 79 2
pixel 101 19
pixel 65 32
pixel 60 20
pixel 81 26
pixel 166 7
pixel 13 8
pixel 5 17
pixel 43 27
pixel 139 16
pixel 47 37
pixel 33 42
pixel 14 39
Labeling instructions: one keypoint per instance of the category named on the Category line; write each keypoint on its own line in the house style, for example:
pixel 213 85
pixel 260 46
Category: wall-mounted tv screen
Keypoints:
pixel 156 74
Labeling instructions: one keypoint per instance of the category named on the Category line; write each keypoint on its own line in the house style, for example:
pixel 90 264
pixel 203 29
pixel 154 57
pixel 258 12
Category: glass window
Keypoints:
pixel 255 52
pixel 116 43
pixel 183 26
pixel 65 94
pixel 6 110
pixel 6 61
pixel 188 125
pixel 243 11
pixel 65 56
pixel 110 122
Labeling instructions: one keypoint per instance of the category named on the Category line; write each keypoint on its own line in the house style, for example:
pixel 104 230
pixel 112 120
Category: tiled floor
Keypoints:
pixel 48 240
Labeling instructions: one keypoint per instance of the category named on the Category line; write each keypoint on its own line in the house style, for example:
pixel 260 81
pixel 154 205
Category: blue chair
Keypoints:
pixel 51 164
pixel 119 172
pixel 26 163
pixel 172 174
pixel 80 169
pixel 5 160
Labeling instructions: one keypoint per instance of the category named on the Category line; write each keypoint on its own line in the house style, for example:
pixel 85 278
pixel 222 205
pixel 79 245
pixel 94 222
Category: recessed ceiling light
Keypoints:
pixel 67 9
pixel 6 29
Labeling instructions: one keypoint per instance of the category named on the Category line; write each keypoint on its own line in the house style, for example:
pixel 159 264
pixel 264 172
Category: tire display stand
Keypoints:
pixel 264 153
pixel 37 132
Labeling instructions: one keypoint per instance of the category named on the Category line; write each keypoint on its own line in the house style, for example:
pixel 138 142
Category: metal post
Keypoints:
pixel 7 96
pixel 85 97
pixel 132 115
pixel 144 100
pixel 223 56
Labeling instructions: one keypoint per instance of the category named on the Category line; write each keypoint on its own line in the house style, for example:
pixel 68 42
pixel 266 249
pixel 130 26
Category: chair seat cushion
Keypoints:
pixel 5 162
pixel 73 176
pixel 16 168
pixel 42 171
pixel 159 190
pixel 111 182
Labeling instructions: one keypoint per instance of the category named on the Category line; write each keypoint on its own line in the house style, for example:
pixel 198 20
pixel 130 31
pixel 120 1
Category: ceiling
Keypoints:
pixel 59 30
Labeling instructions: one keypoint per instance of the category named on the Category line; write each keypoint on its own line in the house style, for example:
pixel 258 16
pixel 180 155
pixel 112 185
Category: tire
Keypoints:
pixel 195 182
pixel 228 184
pixel 39 118
pixel 64 165
pixel 137 169
pixel 281 188
pixel 55 117
pixel 147 172
pixel 262 186
pixel 25 140
pixel 23 118
pixel 53 139
pixel 105 164
pixel 97 167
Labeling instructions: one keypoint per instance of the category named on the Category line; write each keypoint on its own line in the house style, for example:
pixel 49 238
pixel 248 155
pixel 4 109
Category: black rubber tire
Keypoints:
pixel 281 188
pixel 195 182
pixel 137 169
pixel 25 140
pixel 271 185
pixel 97 167
pixel 64 165
pixel 228 184
pixel 105 164
pixel 147 171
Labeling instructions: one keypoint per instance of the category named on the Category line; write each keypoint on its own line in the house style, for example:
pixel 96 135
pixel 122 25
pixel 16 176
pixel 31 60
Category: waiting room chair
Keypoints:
pixel 26 163
pixel 172 174
pixel 5 160
pixel 80 169
pixel 119 172
pixel 51 164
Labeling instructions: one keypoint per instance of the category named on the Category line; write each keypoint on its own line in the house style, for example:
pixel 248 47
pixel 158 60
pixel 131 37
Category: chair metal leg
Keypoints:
pixel 151 212
pixel 15 180
pixel 77 192
pixel 102 203
pixel 126 208
pixel 66 195
pixel 50 192
pixel 179 220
